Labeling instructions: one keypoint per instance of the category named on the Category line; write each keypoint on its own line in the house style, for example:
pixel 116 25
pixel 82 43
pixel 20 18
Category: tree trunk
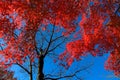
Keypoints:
pixel 31 76
pixel 40 68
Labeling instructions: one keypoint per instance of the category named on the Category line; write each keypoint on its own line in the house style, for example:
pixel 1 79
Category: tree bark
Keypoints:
pixel 40 68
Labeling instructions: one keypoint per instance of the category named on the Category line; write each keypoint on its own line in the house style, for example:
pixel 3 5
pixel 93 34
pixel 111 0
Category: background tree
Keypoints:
pixel 97 33
pixel 6 75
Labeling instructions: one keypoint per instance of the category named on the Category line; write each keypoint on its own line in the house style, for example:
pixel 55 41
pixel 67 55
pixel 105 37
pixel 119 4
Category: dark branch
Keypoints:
pixel 46 50
pixel 37 50
pixel 43 36
pixel 57 38
pixel 57 46
pixel 68 76
pixel 23 68
pixel 117 9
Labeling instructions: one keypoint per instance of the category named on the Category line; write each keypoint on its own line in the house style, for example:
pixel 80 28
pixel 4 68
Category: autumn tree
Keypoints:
pixel 57 23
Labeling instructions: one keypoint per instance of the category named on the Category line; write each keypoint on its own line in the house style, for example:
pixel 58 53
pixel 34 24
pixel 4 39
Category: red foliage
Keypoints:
pixel 95 32
pixel 6 75
pixel 93 29
pixel 113 62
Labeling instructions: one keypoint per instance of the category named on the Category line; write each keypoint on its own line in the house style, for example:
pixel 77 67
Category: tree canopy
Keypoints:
pixel 97 33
